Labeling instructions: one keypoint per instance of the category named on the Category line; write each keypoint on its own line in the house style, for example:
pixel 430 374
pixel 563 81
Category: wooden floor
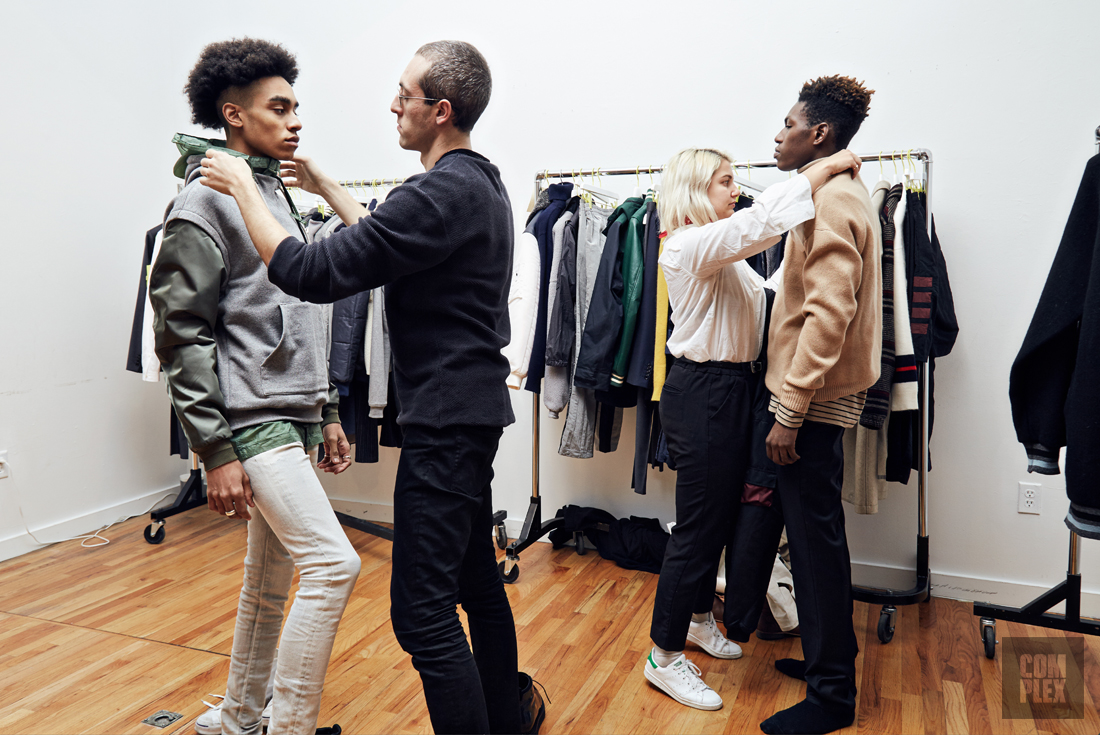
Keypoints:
pixel 95 640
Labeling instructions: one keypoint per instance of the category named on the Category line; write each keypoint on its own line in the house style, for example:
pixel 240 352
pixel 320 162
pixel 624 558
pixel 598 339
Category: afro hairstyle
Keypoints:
pixel 840 101
pixel 234 63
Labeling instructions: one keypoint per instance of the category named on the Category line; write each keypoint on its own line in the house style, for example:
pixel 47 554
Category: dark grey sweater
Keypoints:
pixel 441 244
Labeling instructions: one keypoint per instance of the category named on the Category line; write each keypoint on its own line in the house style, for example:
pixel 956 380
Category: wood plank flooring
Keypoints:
pixel 95 640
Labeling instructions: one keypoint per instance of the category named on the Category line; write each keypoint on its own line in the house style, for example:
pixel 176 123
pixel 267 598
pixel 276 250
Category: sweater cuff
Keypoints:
pixel 1042 460
pixel 796 400
pixel 330 414
pixel 217 454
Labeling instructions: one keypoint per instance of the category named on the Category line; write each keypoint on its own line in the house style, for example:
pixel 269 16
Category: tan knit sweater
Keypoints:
pixel 825 339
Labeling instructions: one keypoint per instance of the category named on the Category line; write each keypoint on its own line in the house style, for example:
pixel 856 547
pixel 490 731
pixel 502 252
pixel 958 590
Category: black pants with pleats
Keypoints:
pixel 810 492
pixel 706 413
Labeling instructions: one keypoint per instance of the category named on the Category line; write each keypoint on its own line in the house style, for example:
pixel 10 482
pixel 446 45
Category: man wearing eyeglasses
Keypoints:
pixel 441 244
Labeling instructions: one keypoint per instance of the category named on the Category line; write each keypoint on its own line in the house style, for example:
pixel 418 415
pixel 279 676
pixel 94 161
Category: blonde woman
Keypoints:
pixel 718 309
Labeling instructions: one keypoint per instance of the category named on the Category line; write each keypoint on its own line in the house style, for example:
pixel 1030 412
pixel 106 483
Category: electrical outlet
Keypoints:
pixel 3 464
pixel 1030 499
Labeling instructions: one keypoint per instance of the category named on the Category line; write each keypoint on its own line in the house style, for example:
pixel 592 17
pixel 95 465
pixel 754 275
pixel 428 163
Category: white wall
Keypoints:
pixel 1003 93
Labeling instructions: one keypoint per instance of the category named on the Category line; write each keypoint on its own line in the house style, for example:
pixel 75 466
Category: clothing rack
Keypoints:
pixel 351 184
pixel 534 528
pixel 192 495
pixel 1037 612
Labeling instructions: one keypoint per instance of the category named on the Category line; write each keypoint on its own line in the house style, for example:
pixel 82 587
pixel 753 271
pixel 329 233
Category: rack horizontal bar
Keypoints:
pixel 916 154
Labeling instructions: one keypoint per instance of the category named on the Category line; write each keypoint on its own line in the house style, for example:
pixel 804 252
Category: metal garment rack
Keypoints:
pixel 192 495
pixel 1037 612
pixel 535 528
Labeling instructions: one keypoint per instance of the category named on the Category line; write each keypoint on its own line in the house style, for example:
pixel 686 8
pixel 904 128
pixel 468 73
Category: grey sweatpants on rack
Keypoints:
pixel 578 436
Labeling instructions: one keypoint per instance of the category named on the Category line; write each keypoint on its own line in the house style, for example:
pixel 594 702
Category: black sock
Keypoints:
pixel 805 717
pixel 792 667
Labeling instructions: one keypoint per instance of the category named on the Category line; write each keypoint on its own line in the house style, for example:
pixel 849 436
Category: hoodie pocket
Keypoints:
pixel 297 365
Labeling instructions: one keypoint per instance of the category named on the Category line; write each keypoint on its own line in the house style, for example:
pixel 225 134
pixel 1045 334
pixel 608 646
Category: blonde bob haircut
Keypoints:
pixel 684 183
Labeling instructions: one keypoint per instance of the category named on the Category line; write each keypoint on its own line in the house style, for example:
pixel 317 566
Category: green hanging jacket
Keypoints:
pixel 633 276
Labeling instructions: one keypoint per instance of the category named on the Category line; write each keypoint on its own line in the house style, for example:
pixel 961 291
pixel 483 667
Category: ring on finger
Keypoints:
pixel 230 513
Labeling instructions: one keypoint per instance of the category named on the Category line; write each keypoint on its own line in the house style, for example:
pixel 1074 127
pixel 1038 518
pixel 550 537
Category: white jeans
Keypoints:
pixel 293 525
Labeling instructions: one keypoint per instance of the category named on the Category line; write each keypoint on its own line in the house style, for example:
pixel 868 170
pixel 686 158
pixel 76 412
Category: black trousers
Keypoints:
pixel 706 413
pixel 443 556
pixel 820 564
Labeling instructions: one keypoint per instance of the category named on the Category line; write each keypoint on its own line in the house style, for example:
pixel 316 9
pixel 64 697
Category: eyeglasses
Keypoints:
pixel 404 97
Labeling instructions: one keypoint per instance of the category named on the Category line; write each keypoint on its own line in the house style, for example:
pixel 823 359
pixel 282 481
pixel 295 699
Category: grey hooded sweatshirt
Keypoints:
pixel 237 351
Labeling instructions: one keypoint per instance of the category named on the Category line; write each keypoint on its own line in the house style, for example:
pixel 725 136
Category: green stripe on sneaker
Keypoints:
pixel 651 661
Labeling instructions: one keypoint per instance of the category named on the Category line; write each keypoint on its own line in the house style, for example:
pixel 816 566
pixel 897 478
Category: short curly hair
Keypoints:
pixel 234 63
pixel 840 101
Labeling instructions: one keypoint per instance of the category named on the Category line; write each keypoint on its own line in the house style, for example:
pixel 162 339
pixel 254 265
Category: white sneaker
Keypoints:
pixel 681 680
pixel 210 721
pixel 711 640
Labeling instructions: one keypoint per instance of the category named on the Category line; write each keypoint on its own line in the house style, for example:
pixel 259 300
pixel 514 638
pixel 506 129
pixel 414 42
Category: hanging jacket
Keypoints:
pixel 544 234
pixel 562 332
pixel 639 371
pixel 378 358
pixel 523 303
pixel 932 317
pixel 934 327
pixel 903 391
pixel 603 326
pixel 133 356
pixel 884 199
pixel 633 278
pixel 558 380
pixel 1053 387
pixel 150 364
pixel 578 435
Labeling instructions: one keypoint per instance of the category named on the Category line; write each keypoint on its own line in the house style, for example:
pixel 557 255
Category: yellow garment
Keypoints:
pixel 660 367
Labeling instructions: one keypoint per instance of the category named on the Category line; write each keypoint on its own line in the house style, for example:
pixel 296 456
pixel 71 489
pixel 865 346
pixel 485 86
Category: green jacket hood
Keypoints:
pixel 190 145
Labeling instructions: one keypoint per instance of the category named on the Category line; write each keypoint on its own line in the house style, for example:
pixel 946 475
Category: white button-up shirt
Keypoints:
pixel 717 299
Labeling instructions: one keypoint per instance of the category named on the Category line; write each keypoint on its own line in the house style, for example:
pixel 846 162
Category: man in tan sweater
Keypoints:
pixel 823 354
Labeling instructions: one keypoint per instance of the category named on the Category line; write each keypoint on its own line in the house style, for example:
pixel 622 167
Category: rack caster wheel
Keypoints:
pixel 502 537
pixel 886 623
pixel 508 578
pixel 578 541
pixel 989 636
pixel 154 537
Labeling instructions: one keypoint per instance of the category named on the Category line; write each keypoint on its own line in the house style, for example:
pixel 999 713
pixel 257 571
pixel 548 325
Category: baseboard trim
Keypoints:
pixel 53 533
pixel 364 510
pixel 970 589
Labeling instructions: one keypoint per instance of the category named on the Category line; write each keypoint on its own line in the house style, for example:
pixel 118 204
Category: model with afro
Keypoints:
pixel 824 352
pixel 840 101
pixel 226 68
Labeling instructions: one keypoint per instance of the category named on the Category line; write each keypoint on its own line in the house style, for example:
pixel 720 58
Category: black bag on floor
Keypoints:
pixel 632 543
